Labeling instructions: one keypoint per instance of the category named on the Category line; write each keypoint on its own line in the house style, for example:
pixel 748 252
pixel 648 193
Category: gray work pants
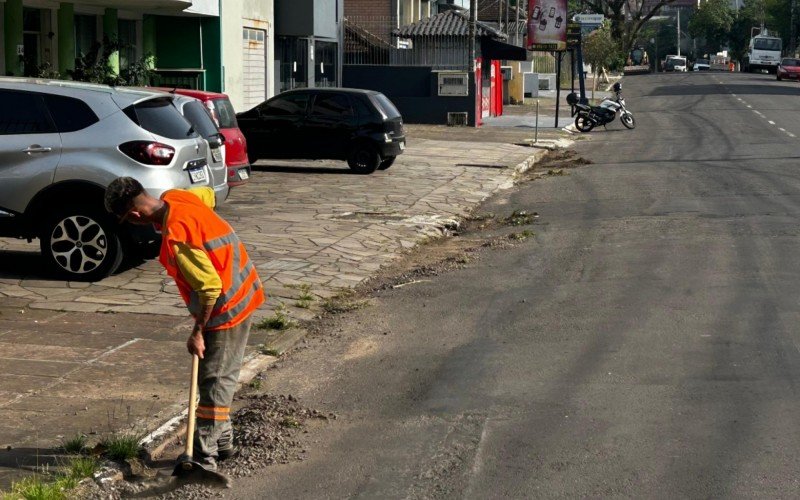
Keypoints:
pixel 216 379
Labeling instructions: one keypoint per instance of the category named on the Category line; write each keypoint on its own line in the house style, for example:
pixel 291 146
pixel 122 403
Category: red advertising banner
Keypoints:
pixel 547 25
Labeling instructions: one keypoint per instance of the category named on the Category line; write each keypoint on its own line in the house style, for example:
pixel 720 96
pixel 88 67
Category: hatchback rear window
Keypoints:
pixel 198 116
pixel 791 62
pixel 226 116
pixel 160 117
pixel 385 106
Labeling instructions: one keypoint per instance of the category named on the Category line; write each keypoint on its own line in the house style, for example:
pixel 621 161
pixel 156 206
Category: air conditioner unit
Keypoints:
pixel 454 84
pixel 457 119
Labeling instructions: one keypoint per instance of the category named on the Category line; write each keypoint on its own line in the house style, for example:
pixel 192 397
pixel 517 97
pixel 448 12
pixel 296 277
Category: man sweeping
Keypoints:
pixel 219 284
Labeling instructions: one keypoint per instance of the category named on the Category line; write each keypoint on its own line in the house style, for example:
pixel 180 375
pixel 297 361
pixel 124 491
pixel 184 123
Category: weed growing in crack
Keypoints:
pixel 520 218
pixel 269 351
pixel 345 301
pixel 556 172
pixel 524 235
pixel 121 446
pixel 278 321
pixel 256 384
pixel 74 445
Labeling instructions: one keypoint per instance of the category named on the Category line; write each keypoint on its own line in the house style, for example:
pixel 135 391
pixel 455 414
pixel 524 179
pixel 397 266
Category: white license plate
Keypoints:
pixel 198 175
pixel 402 146
pixel 216 154
pixel 243 174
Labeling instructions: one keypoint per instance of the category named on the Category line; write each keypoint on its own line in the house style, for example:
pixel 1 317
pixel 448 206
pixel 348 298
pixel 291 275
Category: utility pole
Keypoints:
pixel 679 30
pixel 516 25
pixel 793 29
pixel 473 17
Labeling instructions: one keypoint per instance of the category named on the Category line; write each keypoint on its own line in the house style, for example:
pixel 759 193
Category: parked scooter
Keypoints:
pixel 589 117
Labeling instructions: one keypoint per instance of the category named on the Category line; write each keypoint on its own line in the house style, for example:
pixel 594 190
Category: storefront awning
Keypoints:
pixel 500 51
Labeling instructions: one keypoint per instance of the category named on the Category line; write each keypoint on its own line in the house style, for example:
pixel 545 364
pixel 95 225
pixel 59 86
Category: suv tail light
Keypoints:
pixel 149 153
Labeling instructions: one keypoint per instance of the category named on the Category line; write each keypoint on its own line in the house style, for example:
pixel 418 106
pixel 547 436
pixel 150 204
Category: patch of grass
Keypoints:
pixel 303 303
pixel 520 218
pixel 256 384
pixel 524 235
pixel 42 487
pixel 81 467
pixel 121 446
pixel 74 445
pixel 278 321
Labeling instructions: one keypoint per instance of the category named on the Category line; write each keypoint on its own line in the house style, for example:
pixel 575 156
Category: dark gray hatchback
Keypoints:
pixel 360 126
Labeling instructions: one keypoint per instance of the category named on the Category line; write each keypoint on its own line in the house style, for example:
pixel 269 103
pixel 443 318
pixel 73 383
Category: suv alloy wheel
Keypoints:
pixel 81 244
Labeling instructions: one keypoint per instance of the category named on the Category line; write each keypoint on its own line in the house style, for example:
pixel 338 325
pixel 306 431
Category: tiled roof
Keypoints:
pixel 451 22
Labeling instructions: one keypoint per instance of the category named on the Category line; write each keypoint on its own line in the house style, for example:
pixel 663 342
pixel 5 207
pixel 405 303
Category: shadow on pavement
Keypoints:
pixel 15 264
pixel 302 169
pixel 686 90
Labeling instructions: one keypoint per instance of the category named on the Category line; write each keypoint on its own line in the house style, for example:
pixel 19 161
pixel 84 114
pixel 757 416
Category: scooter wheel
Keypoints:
pixel 583 123
pixel 627 120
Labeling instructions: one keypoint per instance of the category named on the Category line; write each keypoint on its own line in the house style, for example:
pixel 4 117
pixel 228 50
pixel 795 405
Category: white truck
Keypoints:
pixel 763 53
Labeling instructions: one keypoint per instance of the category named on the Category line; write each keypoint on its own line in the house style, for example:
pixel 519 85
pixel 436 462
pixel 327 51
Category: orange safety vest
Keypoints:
pixel 190 221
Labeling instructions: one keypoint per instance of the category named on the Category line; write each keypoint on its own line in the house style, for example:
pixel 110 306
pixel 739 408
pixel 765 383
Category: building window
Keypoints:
pixel 293 54
pixel 326 64
pixel 85 34
pixel 127 43
pixel 31 40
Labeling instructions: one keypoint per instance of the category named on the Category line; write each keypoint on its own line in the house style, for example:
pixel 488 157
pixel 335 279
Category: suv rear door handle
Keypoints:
pixel 35 148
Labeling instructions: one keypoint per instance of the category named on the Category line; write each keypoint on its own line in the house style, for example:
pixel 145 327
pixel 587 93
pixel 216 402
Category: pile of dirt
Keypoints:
pixel 265 433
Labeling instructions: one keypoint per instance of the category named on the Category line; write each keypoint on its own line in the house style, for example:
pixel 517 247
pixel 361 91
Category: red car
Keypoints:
pixel 789 68
pixel 235 144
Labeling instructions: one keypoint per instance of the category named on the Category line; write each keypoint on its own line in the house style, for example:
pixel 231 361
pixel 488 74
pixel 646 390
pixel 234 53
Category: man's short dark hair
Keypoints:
pixel 120 194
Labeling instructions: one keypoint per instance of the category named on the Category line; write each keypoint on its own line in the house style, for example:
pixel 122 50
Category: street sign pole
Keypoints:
pixel 559 58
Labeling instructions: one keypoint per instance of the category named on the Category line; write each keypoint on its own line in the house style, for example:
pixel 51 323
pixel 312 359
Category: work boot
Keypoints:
pixel 226 453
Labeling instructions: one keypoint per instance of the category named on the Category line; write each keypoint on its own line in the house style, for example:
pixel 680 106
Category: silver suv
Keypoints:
pixel 61 143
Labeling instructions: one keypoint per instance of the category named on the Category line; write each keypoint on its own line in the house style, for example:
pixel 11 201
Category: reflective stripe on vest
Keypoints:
pixel 238 280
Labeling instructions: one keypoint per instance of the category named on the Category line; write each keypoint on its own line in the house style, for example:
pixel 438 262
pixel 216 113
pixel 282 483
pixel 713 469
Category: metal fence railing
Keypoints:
pixel 370 41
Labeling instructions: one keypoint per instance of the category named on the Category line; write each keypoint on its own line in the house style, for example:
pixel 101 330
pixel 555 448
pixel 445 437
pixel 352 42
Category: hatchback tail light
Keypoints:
pixel 149 153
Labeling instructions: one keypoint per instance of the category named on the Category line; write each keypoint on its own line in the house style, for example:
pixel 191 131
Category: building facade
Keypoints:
pixel 201 44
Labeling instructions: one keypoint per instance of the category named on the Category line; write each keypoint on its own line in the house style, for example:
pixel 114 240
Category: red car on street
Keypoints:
pixel 223 114
pixel 789 68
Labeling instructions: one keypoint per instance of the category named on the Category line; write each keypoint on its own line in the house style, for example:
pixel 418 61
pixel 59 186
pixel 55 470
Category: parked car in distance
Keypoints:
pixel 197 114
pixel 701 65
pixel 360 126
pixel 675 63
pixel 62 143
pixel 221 110
pixel 788 68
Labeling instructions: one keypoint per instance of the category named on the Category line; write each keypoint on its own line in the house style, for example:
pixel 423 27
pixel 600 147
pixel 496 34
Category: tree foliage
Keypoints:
pixel 627 17
pixel 601 50
pixel 712 22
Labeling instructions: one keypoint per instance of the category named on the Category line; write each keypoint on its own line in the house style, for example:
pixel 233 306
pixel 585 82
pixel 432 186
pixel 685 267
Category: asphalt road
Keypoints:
pixel 645 343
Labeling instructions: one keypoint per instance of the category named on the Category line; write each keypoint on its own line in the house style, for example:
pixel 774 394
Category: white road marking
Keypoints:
pixel 771 122
pixel 782 129
pixel 790 134
pixel 749 106
pixel 757 112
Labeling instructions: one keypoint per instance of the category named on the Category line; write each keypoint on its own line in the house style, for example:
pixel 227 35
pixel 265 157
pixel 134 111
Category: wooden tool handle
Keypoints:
pixel 192 407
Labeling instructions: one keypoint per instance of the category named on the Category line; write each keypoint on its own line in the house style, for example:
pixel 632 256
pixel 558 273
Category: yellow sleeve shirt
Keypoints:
pixel 194 264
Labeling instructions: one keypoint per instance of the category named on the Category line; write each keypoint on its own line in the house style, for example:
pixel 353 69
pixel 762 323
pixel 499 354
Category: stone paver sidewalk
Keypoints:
pixel 66 368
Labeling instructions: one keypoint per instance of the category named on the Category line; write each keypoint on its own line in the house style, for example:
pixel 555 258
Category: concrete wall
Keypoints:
pixel 238 14
pixel 326 19
pixel 294 17
pixel 413 90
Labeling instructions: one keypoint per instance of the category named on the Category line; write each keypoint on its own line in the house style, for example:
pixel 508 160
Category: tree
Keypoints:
pixel 601 50
pixel 712 21
pixel 627 17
